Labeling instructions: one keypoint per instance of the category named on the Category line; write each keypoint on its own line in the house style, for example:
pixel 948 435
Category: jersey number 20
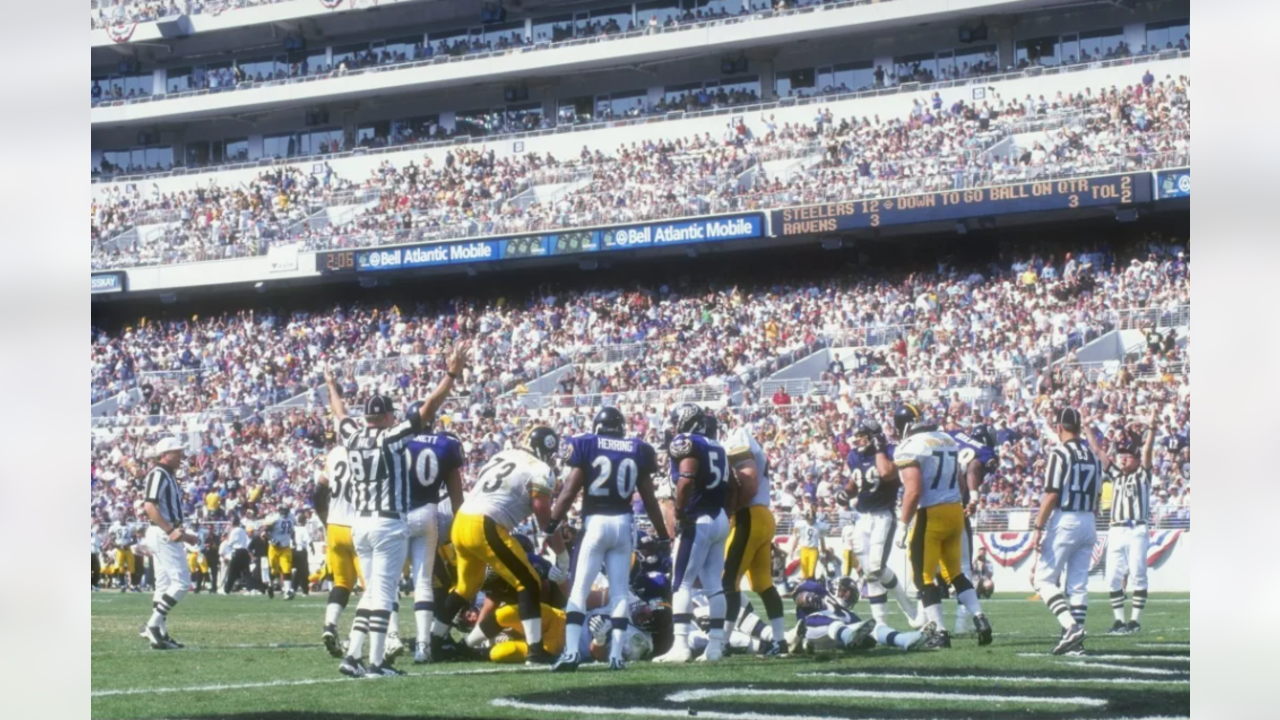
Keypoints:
pixel 628 473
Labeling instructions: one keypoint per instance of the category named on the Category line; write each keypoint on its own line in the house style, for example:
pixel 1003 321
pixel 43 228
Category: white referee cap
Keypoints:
pixel 166 444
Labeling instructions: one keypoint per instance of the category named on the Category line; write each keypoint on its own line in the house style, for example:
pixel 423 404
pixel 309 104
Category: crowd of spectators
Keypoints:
pixel 108 13
pixel 955 316
pixel 934 146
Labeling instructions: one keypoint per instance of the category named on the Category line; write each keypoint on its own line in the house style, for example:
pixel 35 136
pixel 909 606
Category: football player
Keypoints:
pixel 435 462
pixel 280 548
pixel 617 468
pixel 928 465
pixel 512 485
pixel 197 564
pixel 751 532
pixel 126 564
pixel 874 479
pixel 807 532
pixel 978 459
pixel 701 465
pixel 826 621
pixel 334 495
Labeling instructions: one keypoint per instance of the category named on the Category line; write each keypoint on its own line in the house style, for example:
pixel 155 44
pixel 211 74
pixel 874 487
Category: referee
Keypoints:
pixel 166 538
pixel 1129 536
pixel 238 562
pixel 381 529
pixel 1065 529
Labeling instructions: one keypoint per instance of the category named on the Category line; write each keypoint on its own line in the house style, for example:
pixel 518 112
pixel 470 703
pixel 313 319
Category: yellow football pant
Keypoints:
pixel 479 542
pixel 281 561
pixel 808 562
pixel 126 563
pixel 340 557
pixel 197 563
pixel 515 651
pixel 935 542
pixel 748 550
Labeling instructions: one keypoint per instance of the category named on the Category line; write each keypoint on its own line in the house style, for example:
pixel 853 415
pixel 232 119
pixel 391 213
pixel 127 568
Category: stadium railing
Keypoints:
pixel 687 393
pixel 1152 317
pixel 614 123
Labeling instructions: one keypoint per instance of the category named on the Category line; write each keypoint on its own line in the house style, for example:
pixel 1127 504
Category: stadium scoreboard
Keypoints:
pixel 1035 196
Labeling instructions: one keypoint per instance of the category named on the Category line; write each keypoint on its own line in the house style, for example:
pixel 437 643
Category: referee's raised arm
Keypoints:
pixel 336 405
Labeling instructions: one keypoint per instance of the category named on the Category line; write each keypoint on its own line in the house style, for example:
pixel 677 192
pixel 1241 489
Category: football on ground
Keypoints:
pixel 249 657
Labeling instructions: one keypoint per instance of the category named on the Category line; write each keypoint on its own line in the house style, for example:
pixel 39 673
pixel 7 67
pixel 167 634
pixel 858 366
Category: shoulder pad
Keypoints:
pixel 681 447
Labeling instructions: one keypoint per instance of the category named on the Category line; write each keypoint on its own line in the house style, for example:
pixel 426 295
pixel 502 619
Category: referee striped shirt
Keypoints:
pixel 379 476
pixel 163 490
pixel 1130 496
pixel 1076 475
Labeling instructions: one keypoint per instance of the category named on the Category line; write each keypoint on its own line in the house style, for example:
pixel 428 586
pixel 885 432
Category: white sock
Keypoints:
pixel 157 619
pixel 778 628
pixel 476 638
pixel 377 647
pixel 886 635
pixel 355 641
pixel 572 638
pixel 880 612
pixel 934 613
pixel 715 636
pixel 423 619
pixel 969 601
pixel 890 583
pixel 393 626
pixel 332 612
pixel 439 629
pixel 532 630
pixel 615 645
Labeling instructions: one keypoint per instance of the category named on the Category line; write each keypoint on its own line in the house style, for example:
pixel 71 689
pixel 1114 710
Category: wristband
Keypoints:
pixel 453 376
pixel 1039 528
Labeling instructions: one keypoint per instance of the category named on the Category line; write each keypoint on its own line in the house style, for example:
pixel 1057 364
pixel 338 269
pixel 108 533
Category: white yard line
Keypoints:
pixel 1145 658
pixel 1171 646
pixel 288 683
pixel 706 693
pixel 1126 668
pixel 603 711
pixel 993 678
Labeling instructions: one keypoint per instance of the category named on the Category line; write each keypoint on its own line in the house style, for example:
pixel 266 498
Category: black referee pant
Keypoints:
pixel 95 569
pixel 214 562
pixel 301 572
pixel 238 569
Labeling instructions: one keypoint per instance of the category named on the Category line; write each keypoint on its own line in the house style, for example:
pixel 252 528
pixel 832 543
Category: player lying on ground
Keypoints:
pixel 826 621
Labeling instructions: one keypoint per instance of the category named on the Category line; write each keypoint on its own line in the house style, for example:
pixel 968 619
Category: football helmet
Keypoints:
pixel 689 418
pixel 906 418
pixel 845 590
pixel 809 601
pixel 415 408
pixel 865 436
pixel 543 442
pixel 609 422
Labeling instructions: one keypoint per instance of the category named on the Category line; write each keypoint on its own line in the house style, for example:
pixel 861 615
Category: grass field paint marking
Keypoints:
pixel 708 693
pixel 1126 668
pixel 1144 658
pixel 994 678
pixel 292 683
pixel 1171 646
pixel 604 711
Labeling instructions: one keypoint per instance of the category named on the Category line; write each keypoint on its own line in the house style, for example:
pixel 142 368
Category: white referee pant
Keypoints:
pixel 424 528
pixel 1127 556
pixel 1067 547
pixel 607 540
pixel 169 561
pixel 381 544
pixel 872 541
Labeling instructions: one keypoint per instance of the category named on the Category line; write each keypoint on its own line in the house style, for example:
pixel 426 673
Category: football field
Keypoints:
pixel 250 657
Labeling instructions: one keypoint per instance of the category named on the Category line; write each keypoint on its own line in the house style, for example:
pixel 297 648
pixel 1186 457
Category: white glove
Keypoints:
pixel 556 575
pixel 901 540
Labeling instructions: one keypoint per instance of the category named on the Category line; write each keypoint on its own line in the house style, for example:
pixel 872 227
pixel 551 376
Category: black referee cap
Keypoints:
pixel 1069 418
pixel 378 405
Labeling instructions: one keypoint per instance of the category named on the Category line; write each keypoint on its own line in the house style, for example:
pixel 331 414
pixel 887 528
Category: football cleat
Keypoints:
pixel 568 662
pixel 983 626
pixel 394 647
pixel 1077 652
pixel 383 670
pixel 1118 628
pixel 617 664
pixel 713 653
pixel 937 638
pixel 351 667
pixel 289 595
pixel 421 653
pixel 173 644
pixel 142 632
pixel 679 653
pixel 1133 627
pixel 538 655
pixel 330 639
pixel 777 648
pixel 1072 639
pixel 271 592
pixel 864 636
pixel 157 638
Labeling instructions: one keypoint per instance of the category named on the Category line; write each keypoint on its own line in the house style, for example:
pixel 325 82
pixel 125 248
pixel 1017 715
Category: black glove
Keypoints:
pixel 879 443
pixel 685 524
pixel 552 526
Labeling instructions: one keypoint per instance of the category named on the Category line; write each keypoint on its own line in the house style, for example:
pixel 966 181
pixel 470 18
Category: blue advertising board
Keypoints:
pixel 704 230
pixel 1173 184
pixel 107 282
pixel 1039 196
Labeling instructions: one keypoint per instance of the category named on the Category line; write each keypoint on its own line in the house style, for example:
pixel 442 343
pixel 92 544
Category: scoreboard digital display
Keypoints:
pixel 1038 196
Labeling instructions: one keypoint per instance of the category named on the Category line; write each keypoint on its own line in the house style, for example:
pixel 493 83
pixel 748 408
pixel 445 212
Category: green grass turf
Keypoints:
pixel 237 645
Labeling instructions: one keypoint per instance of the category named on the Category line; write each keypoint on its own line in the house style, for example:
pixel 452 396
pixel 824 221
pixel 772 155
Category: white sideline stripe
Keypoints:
pixel 1151 658
pixel 1171 646
pixel 1126 668
pixel 285 683
pixel 993 678
pixel 703 694
pixel 603 711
